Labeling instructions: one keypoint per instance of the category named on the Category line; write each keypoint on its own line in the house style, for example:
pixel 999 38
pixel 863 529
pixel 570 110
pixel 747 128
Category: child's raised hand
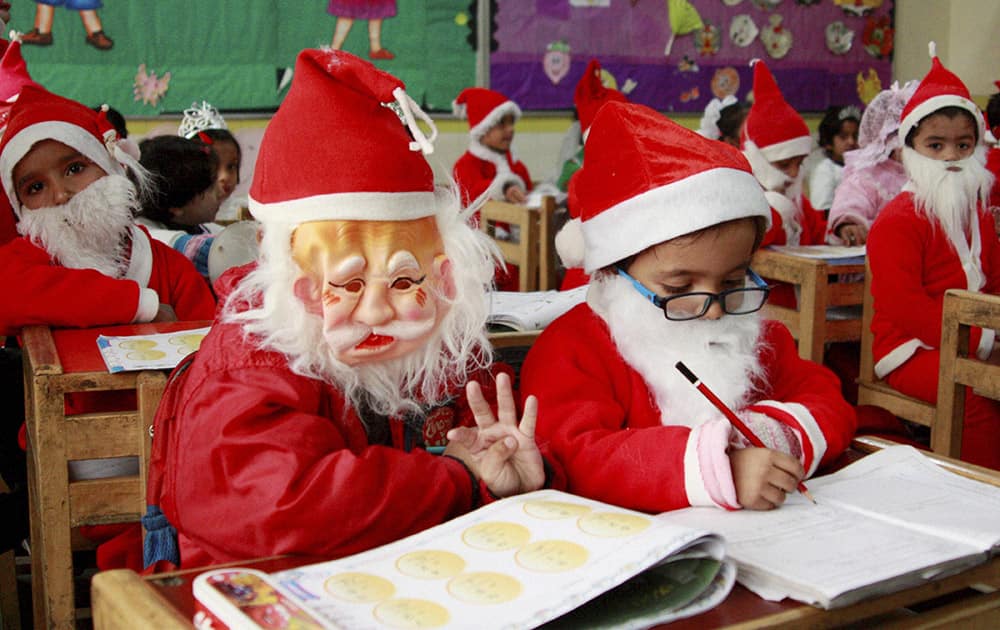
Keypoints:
pixel 515 194
pixel 852 233
pixel 763 478
pixel 165 314
pixel 500 451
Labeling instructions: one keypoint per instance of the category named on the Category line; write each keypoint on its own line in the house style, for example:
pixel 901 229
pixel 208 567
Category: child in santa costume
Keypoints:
pixel 937 234
pixel 873 173
pixel 343 351
pixel 776 141
pixel 591 94
pixel 671 221
pixel 488 167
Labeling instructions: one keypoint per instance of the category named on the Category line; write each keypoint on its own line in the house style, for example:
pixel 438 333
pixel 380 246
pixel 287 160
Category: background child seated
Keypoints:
pixel 723 120
pixel 203 123
pixel 936 235
pixel 181 208
pixel 669 250
pixel 874 173
pixel 838 134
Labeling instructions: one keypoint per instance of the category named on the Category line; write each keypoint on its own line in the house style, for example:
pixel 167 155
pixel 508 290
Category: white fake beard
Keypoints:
pixel 88 231
pixel 949 196
pixel 425 377
pixel 723 353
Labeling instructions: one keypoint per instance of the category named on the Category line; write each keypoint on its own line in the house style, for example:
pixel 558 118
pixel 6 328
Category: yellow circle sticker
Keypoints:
pixel 412 613
pixel 359 587
pixel 146 355
pixel 554 510
pixel 551 556
pixel 431 564
pixel 137 344
pixel 485 587
pixel 496 536
pixel 613 524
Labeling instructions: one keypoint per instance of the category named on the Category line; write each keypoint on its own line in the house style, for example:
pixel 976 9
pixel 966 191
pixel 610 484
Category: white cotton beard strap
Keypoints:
pixel 408 107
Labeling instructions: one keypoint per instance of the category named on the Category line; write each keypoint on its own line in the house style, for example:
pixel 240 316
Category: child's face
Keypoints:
pixel 229 168
pixel 711 261
pixel 845 140
pixel 945 138
pixel 51 173
pixel 500 135
pixel 201 209
pixel 790 166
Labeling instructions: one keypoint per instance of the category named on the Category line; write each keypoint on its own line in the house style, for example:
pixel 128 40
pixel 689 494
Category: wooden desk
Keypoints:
pixel 809 323
pixel 122 599
pixel 62 364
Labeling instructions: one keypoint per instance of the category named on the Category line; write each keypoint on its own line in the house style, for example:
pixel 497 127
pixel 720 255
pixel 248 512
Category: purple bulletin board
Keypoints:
pixel 836 52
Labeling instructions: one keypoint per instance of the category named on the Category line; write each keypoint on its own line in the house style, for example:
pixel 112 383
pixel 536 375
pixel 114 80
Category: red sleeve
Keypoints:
pixel 775 234
pixel 180 285
pixel 522 171
pixel 471 178
pixel 991 252
pixel 58 296
pixel 266 463
pixel 813 224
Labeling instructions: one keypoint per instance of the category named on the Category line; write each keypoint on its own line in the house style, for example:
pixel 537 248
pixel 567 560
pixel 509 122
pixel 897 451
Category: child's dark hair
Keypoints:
pixel 116 119
pixel 832 121
pixel 993 110
pixel 182 169
pixel 948 112
pixel 730 119
pixel 209 137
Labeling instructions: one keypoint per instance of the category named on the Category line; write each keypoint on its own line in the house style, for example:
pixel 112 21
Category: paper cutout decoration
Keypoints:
pixel 868 87
pixel 691 95
pixel 776 38
pixel 149 88
pixel 742 30
pixel 858 7
pixel 731 3
pixel 877 37
pixel 556 61
pixel 684 19
pixel 687 64
pixel 839 38
pixel 767 5
pixel 708 40
pixel 725 81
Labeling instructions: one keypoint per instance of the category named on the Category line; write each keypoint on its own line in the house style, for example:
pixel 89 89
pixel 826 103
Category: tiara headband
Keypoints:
pixel 198 118
pixel 849 111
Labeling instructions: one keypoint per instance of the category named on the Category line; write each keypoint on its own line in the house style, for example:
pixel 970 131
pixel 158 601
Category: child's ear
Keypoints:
pixel 445 279
pixel 308 292
pixel 175 213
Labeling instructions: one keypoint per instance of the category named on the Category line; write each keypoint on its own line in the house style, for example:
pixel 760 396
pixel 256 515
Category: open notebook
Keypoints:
pixel 890 521
pixel 531 310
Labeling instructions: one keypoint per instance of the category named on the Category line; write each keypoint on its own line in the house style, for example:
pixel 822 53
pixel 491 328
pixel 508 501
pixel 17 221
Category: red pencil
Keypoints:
pixel 730 415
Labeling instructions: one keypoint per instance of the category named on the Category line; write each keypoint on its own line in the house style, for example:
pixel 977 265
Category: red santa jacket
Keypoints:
pixel 605 430
pixel 813 233
pixel 912 264
pixel 81 298
pixel 993 166
pixel 480 170
pixel 261 461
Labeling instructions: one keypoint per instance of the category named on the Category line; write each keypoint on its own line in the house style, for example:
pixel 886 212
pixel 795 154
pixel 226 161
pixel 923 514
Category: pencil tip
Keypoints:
pixel 809 496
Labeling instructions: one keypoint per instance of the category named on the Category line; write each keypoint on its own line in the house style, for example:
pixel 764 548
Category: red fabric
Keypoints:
pixel 813 233
pixel 365 139
pixel 918 377
pixel 604 427
pixel 938 82
pixel 993 165
pixel 591 94
pixel 259 461
pixel 83 298
pixel 13 71
pixel 8 226
pixel 771 120
pixel 474 176
pixel 479 103
pixel 912 265
pixel 574 277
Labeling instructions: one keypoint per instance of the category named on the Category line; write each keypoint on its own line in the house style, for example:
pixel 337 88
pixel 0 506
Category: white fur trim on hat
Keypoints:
pixel 801 145
pixel 941 101
pixel 682 207
pixel 494 117
pixel 353 206
pixel 570 244
pixel 71 135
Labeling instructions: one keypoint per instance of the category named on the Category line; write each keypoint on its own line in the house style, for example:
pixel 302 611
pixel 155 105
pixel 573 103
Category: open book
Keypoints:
pixel 889 521
pixel 531 310
pixel 517 563
pixel 833 254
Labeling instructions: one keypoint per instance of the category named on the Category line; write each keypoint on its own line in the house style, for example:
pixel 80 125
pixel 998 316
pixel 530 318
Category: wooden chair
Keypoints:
pixel 810 323
pixel 55 438
pixel 958 370
pixel 534 251
pixel 873 390
pixel 10 608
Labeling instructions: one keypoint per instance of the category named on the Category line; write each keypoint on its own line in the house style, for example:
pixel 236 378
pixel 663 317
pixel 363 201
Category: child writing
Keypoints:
pixel 838 134
pixel 180 210
pixel 203 123
pixel 874 173
pixel 936 235
pixel 671 221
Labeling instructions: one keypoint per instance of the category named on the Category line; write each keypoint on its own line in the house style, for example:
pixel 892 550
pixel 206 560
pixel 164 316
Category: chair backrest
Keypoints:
pixel 534 250
pixel 873 390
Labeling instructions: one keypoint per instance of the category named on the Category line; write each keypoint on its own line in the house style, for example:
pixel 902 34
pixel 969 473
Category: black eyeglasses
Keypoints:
pixel 693 305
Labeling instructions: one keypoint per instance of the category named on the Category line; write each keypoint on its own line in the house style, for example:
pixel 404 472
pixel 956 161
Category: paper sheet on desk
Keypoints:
pixel 531 310
pixel 833 254
pixel 149 352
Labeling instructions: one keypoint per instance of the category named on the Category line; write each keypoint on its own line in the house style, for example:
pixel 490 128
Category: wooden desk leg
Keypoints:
pixel 123 600
pixel 812 318
pixel 51 555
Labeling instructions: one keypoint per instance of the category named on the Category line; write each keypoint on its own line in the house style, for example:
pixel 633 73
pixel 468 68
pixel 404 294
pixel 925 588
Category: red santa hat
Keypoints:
pixel 772 126
pixel 591 94
pixel 340 147
pixel 13 71
pixel 484 108
pixel 39 115
pixel 647 180
pixel 938 89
